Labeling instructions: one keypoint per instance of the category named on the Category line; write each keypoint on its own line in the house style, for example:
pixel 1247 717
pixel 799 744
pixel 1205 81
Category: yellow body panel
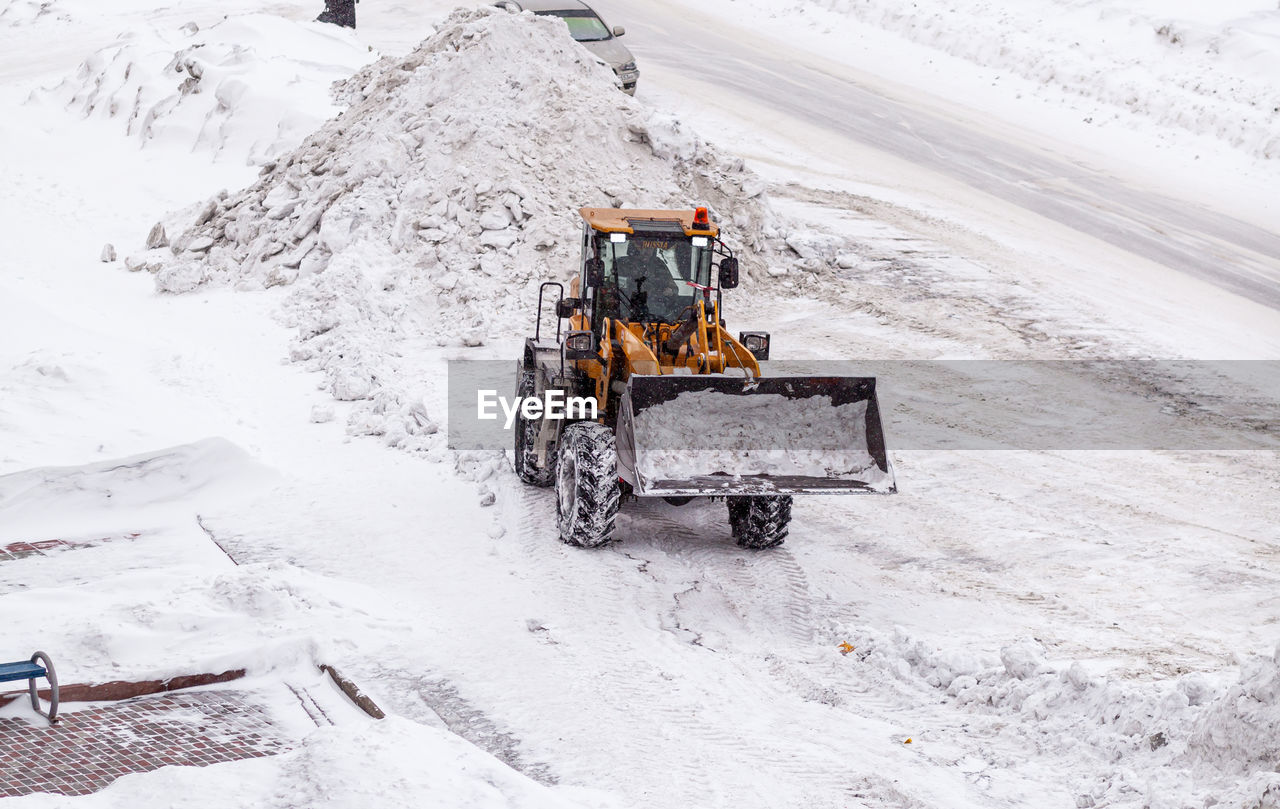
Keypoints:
pixel 640 358
pixel 640 350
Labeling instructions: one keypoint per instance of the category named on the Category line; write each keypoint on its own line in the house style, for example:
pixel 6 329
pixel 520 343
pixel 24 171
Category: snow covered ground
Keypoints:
pixel 1026 628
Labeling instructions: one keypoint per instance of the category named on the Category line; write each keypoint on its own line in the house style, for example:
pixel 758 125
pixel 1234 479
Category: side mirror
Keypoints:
pixel 580 345
pixel 618 30
pixel 728 273
pixel 595 272
pixel 565 307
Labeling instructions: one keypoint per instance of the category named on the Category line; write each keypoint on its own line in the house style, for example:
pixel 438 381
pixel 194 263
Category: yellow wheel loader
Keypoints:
pixel 645 393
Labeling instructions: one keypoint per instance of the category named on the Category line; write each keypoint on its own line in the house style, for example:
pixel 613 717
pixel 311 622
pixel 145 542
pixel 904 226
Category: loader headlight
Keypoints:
pixel 580 345
pixel 757 342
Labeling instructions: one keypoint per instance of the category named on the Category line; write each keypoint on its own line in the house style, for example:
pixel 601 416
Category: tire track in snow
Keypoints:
pixel 435 701
pixel 651 694
pixel 696 538
pixel 634 696
pixel 741 718
pixel 768 588
pixel 531 513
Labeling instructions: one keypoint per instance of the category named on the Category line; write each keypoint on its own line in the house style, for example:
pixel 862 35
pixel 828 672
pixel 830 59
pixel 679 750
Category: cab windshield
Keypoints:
pixel 583 25
pixel 651 278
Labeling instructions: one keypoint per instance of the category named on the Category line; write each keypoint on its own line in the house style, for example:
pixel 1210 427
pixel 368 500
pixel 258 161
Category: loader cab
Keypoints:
pixel 646 266
pixel 651 277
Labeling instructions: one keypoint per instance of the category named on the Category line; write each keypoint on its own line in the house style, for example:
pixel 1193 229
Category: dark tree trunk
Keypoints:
pixel 339 12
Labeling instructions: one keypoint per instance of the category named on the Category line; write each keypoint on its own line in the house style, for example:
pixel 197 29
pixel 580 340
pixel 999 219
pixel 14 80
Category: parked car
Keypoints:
pixel 586 27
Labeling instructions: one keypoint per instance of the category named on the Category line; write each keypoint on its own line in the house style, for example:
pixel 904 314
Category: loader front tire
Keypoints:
pixel 760 522
pixel 526 433
pixel 587 490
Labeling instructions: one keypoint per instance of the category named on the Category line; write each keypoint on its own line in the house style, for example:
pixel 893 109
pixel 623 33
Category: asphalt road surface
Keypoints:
pixel 1235 255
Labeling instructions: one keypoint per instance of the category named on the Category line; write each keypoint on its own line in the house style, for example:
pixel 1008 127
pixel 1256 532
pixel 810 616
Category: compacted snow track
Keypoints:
pixel 674 597
pixel 768 638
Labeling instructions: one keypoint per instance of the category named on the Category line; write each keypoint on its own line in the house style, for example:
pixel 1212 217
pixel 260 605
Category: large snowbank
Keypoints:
pixel 1193 741
pixel 430 210
pixel 1211 69
pixel 247 89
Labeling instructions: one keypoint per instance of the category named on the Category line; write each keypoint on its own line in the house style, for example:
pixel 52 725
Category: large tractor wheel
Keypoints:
pixel 587 490
pixel 761 521
pixel 526 433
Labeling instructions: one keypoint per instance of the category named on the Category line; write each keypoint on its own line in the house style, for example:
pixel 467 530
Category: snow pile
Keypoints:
pixel 22 12
pixel 247 89
pixel 1238 733
pixel 706 432
pixel 1180 743
pixel 1209 69
pixel 430 210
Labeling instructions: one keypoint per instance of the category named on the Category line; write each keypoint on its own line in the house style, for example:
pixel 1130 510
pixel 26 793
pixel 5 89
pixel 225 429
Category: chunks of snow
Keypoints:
pixel 322 413
pixel 157 237
pixel 446 189
pixel 706 432
pixel 1023 660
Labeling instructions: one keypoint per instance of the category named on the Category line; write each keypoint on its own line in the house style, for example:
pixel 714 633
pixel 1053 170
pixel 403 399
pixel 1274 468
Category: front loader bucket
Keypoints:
pixel 726 435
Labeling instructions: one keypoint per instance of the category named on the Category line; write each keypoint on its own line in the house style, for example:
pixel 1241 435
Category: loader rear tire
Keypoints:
pixel 526 433
pixel 587 490
pixel 761 521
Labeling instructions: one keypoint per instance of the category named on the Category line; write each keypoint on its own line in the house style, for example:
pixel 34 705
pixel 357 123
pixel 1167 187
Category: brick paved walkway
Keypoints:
pixel 21 550
pixel 90 748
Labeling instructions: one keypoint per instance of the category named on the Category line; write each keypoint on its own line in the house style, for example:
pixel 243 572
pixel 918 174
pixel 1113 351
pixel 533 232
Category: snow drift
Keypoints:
pixel 25 12
pixel 59 498
pixel 247 89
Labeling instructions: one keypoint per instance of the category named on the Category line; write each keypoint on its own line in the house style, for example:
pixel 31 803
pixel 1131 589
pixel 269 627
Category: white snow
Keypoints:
pixel 418 204
pixel 246 89
pixel 706 433
pixel 1170 69
pixel 1065 628
pixel 393 763
pixel 1206 69
pixel 78 498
